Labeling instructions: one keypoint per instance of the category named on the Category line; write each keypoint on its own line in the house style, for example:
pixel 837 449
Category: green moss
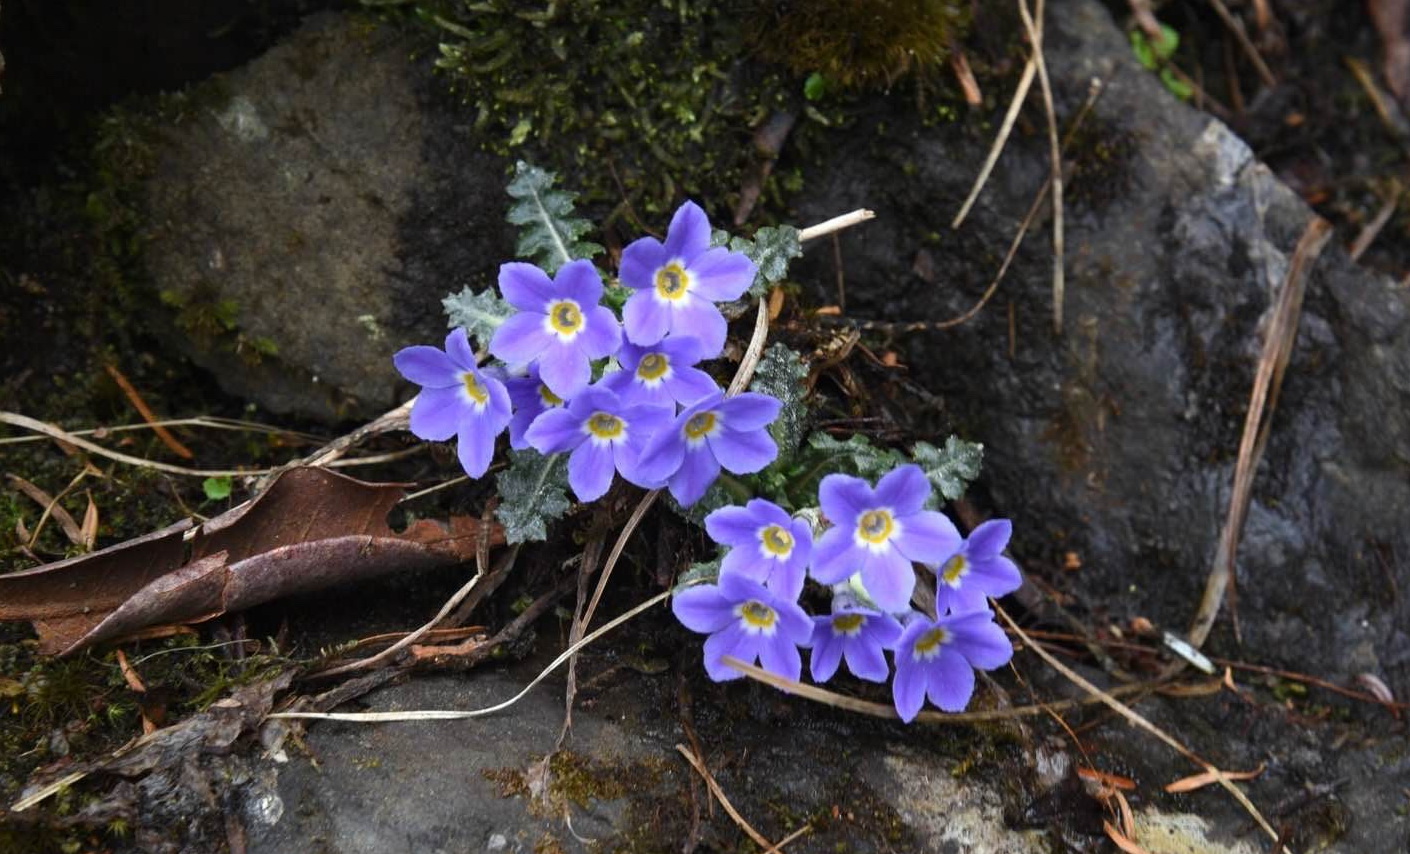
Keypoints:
pixel 862 45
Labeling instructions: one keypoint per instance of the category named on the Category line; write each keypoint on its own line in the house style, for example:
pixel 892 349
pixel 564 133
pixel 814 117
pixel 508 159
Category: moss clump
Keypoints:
pixel 647 93
pixel 862 45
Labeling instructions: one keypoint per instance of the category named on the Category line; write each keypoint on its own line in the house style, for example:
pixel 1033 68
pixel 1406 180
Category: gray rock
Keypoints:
pixel 311 210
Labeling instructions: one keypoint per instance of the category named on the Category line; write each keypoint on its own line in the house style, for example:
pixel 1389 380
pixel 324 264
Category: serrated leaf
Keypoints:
pixel 780 374
pixel 950 469
pixel 707 572
pixel 480 313
pixel 772 250
pixel 549 235
pixel 532 493
pixel 824 455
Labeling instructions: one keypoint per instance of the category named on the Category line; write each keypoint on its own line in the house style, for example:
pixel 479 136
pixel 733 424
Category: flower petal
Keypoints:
pixel 459 350
pixel 959 600
pixel 645 319
pixel 525 286
pixel 435 416
pixel 601 335
pixel 476 446
pixel 779 656
pixel 843 498
pixel 750 411
pixel 590 470
pixel 990 538
pixel 703 609
pixel 735 526
pixel 688 234
pixel 793 622
pixel 732 640
pixel 640 261
pixel 889 580
pixel 980 640
pixel 949 681
pixel 836 556
pixel 996 576
pixel 903 489
pixel 662 456
pixel 908 688
pixel 686 385
pixel 682 350
pixel 697 471
pixel 555 431
pixel 927 537
pixel 698 318
pixel 865 659
pixel 743 560
pixel 565 370
pixel 427 366
pixel 520 339
pixel 742 451
pixel 720 275
pixel 578 281
pixel 827 650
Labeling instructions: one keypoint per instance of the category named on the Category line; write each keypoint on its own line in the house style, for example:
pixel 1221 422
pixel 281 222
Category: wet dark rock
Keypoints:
pixel 310 211
pixel 1117 439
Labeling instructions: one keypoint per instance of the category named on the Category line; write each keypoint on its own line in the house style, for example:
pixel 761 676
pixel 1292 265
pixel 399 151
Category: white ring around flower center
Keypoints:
pixel 699 426
pixel 564 319
pixel 929 644
pixel 876 528
pixel 848 625
pixel 757 618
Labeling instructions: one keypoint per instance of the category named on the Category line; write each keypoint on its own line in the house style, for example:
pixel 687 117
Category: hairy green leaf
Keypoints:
pixel 772 249
pixel 780 374
pixel 549 235
pixel 532 493
pixel 480 314
pixel 950 469
pixel 698 573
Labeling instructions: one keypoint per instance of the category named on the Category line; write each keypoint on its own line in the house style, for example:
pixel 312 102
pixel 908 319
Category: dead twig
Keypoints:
pixel 1236 27
pixel 759 839
pixel 1373 228
pixel 1025 82
pixel 1273 362
pixel 139 404
pixel 1035 35
pixel 1140 722
pixel 51 507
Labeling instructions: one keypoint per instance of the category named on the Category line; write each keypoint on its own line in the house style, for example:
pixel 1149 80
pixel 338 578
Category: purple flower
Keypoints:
pixel 937 658
pixel 661 374
pixel 709 434
pixel 856 633
pixel 768 546
pixel 531 398
pixel 678 282
pixel 977 570
pixel 559 323
pixel 879 532
pixel 603 435
pixel 456 399
pixel 747 620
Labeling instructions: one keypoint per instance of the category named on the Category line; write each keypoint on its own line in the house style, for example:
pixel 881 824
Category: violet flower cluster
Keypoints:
pixel 659 421
pixel 868 558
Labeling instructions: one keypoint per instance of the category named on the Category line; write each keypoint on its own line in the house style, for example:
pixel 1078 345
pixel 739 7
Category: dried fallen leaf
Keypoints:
pixel 51 506
pixel 89 530
pixel 1121 840
pixel 311 529
pixel 1102 778
pixel 1199 781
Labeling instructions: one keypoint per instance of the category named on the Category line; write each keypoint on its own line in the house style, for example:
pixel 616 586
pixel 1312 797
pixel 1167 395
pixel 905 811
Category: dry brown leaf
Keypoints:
pixel 1122 841
pixel 1199 781
pixel 311 529
pixel 50 505
pixel 89 531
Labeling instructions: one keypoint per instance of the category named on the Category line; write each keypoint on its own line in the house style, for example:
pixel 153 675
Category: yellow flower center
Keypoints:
pixel 928 644
pixel 477 392
pixel 875 526
pixel 758 615
pixel 848 624
pixel 565 317
pixel 777 541
pixel 653 366
pixel 954 569
pixel 548 397
pixel 605 425
pixel 672 281
pixel 700 425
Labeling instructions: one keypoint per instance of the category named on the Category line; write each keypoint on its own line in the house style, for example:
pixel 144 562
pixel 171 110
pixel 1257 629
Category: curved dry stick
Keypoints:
pixel 1131 715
